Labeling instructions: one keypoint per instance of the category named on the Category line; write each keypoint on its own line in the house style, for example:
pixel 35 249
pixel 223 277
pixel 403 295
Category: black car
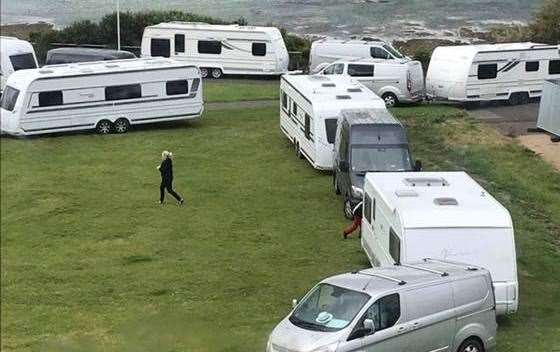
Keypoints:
pixel 369 140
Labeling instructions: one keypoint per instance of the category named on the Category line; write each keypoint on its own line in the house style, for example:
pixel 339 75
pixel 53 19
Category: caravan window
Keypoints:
pixel 395 246
pixel 195 84
pixel 179 43
pixel 285 101
pixel 23 61
pixel 9 98
pixel 307 126
pixel 532 66
pixel 160 47
pixel 367 208
pixel 209 47
pixel 330 128
pixel 379 53
pixel 373 209
pixel 51 98
pixel 554 67
pixel 259 49
pixel 130 91
pixel 360 70
pixel 487 71
pixel 177 87
pixel 295 108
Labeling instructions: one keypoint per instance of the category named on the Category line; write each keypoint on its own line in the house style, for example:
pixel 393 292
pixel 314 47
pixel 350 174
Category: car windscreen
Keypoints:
pixel 9 98
pixel 328 308
pixel 376 158
pixel 23 61
pixel 393 51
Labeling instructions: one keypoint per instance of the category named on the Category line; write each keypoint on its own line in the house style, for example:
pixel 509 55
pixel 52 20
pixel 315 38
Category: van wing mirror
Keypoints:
pixel 418 165
pixel 343 165
pixel 369 325
pixel 294 303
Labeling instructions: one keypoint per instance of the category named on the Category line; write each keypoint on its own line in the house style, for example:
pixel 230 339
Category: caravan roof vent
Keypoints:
pixel 426 182
pixel 446 201
pixel 354 90
pixel 343 97
pixel 403 193
pixel 328 85
pixel 318 78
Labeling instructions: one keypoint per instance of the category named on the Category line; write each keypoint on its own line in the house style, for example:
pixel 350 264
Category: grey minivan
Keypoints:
pixel 367 140
pixel 420 307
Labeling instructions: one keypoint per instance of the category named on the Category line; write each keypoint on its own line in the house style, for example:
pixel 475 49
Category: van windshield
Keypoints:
pixel 393 51
pixel 380 159
pixel 9 98
pixel 328 308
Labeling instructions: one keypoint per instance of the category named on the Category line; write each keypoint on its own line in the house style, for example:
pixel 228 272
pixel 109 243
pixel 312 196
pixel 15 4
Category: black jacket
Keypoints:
pixel 166 170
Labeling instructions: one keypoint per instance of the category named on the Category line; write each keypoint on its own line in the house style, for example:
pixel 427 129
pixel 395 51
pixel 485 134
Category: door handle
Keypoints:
pixel 416 325
pixel 401 329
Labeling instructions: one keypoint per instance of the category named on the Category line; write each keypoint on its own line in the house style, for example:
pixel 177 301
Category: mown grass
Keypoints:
pixel 229 90
pixel 90 263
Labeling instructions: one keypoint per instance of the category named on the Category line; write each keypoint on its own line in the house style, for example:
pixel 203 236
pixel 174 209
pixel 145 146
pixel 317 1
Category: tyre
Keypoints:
pixel 390 99
pixel 203 72
pixel 348 214
pixel 104 127
pixel 514 99
pixel 524 98
pixel 121 125
pixel 216 73
pixel 335 184
pixel 471 345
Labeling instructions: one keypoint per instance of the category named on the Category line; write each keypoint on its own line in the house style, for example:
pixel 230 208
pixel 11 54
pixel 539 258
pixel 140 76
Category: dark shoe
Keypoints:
pixel 345 236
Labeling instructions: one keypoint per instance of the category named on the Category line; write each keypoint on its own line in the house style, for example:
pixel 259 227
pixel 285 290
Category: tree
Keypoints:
pixel 545 28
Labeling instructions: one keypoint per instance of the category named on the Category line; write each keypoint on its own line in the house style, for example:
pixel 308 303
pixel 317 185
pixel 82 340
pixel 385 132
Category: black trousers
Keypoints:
pixel 169 187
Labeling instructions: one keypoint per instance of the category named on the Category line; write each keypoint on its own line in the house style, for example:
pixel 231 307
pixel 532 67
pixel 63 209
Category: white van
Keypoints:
pixel 219 49
pixel 512 72
pixel 442 215
pixel 395 81
pixel 310 107
pixel 330 50
pixel 15 55
pixel 107 96
pixel 425 306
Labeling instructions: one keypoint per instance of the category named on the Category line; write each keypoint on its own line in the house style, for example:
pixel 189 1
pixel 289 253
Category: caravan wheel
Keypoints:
pixel 104 127
pixel 471 345
pixel 514 99
pixel 122 125
pixel 203 72
pixel 216 73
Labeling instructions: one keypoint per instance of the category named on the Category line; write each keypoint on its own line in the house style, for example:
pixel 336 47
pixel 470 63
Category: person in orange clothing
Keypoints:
pixel 356 223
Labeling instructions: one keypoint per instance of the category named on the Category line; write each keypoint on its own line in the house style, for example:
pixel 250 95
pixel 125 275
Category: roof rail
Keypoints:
pixel 440 273
pixel 381 276
pixel 462 265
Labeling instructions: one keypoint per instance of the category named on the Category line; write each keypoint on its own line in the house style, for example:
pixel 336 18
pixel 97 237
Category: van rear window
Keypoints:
pixel 330 129
pixel 9 98
pixel 23 61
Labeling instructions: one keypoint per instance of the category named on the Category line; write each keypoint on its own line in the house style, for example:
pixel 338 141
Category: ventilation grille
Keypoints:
pixel 328 85
pixel 354 90
pixel 446 201
pixel 343 97
pixel 426 182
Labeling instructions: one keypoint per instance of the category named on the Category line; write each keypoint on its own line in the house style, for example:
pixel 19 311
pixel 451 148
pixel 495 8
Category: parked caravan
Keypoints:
pixel 511 72
pixel 71 55
pixel 367 140
pixel 331 50
pixel 219 49
pixel 310 106
pixel 549 110
pixel 15 55
pixel 441 215
pixel 394 81
pixel 425 306
pixel 105 96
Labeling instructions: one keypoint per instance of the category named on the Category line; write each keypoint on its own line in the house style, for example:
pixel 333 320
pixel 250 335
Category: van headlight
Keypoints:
pixel 357 192
pixel 328 348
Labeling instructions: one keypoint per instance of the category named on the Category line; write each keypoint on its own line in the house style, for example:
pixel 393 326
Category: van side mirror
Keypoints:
pixel 343 165
pixel 294 303
pixel 367 328
pixel 369 325
pixel 418 165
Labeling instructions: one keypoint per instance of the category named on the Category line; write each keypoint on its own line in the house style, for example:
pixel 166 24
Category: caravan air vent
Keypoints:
pixel 318 78
pixel 426 182
pixel 446 201
pixel 328 85
pixel 402 193
pixel 45 71
pixel 111 65
pixel 354 90
pixel 343 97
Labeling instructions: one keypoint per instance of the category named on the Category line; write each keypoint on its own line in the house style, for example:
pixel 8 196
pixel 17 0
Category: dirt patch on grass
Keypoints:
pixel 543 146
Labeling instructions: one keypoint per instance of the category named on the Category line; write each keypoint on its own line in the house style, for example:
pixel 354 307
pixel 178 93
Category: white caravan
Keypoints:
pixel 108 96
pixel 331 50
pixel 310 107
pixel 419 307
pixel 219 49
pixel 395 81
pixel 513 72
pixel 15 55
pixel 440 215
pixel 549 109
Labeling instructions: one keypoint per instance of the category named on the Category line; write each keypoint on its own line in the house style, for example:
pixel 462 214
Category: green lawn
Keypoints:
pixel 91 263
pixel 229 90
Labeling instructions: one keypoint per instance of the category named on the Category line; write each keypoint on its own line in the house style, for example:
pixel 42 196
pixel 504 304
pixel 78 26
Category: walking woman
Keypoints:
pixel 166 171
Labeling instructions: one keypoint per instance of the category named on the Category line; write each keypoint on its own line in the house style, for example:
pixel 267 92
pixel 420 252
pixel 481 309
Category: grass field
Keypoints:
pixel 91 263
pixel 229 90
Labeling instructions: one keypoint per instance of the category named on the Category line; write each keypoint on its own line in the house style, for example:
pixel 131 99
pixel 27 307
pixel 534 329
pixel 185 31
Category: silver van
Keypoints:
pixel 427 306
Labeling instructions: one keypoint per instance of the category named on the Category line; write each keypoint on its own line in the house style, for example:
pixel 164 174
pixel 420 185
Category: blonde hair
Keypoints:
pixel 165 155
